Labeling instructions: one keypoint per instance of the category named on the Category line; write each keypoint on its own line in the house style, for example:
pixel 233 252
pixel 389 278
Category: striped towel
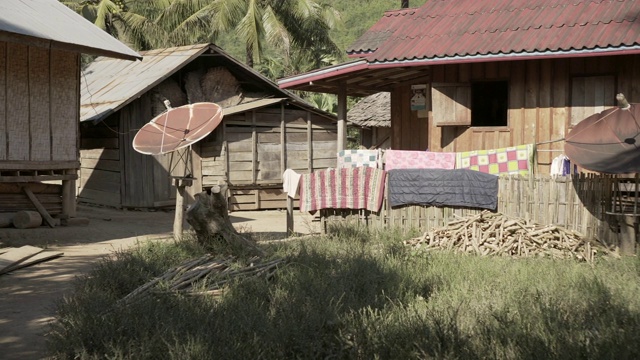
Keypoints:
pixel 355 158
pixel 346 188
pixel 401 159
pixel 511 160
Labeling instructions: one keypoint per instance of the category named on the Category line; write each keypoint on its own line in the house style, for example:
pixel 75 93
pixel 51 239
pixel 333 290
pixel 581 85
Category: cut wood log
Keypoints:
pixel 496 234
pixel 209 218
pixel 27 219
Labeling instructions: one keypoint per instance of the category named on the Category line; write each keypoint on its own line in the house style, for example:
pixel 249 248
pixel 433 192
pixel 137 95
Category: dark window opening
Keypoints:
pixel 489 103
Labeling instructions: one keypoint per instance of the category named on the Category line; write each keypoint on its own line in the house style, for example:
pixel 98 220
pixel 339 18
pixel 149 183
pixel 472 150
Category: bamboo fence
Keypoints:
pixel 585 203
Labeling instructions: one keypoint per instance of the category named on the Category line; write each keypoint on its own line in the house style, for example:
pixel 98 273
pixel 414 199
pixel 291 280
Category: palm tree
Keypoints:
pixel 129 21
pixel 283 25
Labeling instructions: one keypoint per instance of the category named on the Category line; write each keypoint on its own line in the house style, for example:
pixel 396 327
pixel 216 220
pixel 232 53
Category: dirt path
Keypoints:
pixel 27 296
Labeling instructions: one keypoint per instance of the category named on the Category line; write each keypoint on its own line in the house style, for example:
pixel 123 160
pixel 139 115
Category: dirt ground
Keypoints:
pixel 28 295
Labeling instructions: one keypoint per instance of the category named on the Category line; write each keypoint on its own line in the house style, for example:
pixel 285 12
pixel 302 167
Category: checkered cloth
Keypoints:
pixel 403 159
pixel 358 158
pixel 511 160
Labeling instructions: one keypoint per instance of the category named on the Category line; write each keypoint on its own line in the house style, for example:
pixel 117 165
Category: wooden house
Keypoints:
pixel 40 46
pixel 264 131
pixel 372 116
pixel 491 74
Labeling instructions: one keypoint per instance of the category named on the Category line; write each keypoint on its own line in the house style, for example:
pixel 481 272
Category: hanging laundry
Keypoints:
pixel 561 166
pixel 436 187
pixel 290 182
pixel 356 158
pixel 510 160
pixel 346 188
pixel 402 159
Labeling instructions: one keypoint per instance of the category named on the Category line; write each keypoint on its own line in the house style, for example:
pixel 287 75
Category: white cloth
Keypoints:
pixel 290 182
pixel 556 165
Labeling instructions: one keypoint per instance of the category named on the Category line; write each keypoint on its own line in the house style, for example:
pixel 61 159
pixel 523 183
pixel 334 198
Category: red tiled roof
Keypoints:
pixel 468 28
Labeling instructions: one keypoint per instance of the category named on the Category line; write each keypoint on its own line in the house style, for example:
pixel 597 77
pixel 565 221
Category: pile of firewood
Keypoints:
pixel 496 234
pixel 204 275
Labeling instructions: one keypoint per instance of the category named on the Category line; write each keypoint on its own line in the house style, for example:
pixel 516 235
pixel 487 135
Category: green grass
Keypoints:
pixel 359 295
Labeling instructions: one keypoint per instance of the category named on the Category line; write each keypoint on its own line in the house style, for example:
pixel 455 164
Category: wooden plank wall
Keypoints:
pixel 144 181
pixel 100 167
pixel 539 104
pixel 39 104
pixel 251 151
pixel 13 199
pixel 577 203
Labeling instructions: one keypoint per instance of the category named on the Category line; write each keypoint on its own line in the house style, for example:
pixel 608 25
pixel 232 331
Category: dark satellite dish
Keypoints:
pixel 607 142
pixel 177 128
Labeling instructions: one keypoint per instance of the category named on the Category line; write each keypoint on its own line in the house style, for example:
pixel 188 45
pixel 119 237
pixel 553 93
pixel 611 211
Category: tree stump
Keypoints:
pixel 209 218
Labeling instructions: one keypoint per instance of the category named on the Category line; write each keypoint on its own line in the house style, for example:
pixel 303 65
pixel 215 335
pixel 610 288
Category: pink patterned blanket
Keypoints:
pixel 401 159
pixel 346 188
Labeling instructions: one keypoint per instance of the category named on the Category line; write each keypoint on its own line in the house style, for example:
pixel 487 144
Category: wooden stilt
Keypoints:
pixel 289 216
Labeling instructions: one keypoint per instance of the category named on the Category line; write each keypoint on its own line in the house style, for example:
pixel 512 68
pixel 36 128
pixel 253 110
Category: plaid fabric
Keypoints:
pixel 401 159
pixel 511 160
pixel 347 188
pixel 356 158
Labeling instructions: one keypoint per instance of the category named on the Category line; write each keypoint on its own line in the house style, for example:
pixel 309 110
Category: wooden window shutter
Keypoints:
pixel 451 104
pixel 591 95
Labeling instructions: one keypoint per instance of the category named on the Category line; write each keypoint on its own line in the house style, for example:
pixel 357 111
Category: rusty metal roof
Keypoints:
pixel 469 28
pixel 372 111
pixel 402 46
pixel 379 32
pixel 110 84
pixel 50 24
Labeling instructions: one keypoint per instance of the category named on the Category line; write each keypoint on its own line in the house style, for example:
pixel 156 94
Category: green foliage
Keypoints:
pixel 359 294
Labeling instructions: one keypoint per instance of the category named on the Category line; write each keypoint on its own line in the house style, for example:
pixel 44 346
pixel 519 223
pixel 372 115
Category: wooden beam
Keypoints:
pixel 342 117
pixel 35 178
pixel 69 196
pixel 309 144
pixel 45 215
pixel 283 141
pixel 38 165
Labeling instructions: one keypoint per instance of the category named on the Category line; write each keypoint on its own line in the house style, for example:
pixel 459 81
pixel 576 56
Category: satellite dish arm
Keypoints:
pixel 622 102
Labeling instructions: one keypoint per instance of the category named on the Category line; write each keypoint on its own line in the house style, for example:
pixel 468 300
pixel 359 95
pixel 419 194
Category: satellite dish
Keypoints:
pixel 607 142
pixel 177 128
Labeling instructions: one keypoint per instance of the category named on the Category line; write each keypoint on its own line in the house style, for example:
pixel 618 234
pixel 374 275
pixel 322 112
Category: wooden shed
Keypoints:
pixel 372 115
pixel 486 83
pixel 40 46
pixel 265 130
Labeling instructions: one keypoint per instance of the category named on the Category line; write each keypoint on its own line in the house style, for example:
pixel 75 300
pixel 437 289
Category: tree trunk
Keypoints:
pixel 210 220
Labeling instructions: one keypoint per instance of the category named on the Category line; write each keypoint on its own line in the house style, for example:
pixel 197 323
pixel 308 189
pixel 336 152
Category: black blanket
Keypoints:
pixel 436 187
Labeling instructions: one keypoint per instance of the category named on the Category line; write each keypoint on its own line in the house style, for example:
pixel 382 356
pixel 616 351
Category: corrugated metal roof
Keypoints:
pixel 107 84
pixel 372 111
pixel 49 23
pixel 468 28
pixel 110 84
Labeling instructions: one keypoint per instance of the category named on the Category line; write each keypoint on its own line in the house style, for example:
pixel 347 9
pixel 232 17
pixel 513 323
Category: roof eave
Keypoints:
pixel 52 44
pixel 324 73
pixel 631 50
